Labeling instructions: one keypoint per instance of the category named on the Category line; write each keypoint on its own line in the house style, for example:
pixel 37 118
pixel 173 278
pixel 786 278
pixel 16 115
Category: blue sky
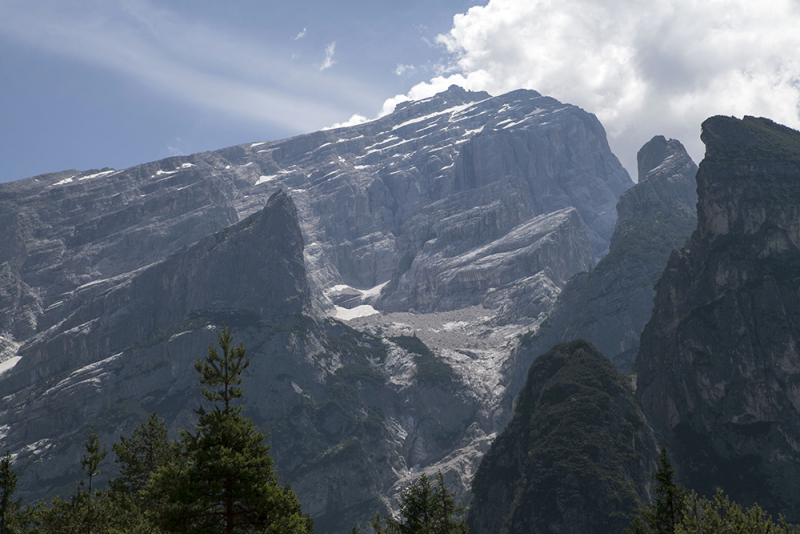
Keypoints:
pixel 88 84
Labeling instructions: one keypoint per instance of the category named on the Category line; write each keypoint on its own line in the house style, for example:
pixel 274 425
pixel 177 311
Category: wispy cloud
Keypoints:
pixel 300 35
pixel 329 51
pixel 404 69
pixel 175 150
pixel 191 62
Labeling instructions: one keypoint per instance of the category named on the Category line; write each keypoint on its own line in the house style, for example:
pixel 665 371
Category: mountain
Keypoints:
pixel 459 218
pixel 332 398
pixel 610 304
pixel 718 365
pixel 577 456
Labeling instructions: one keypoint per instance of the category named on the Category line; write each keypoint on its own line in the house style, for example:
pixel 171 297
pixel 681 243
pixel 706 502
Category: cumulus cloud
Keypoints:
pixel 329 51
pixel 300 35
pixel 352 121
pixel 644 68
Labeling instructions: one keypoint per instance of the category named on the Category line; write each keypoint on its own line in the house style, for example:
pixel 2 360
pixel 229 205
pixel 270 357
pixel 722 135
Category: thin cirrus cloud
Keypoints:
pixel 329 51
pixel 644 68
pixel 189 61
pixel 300 35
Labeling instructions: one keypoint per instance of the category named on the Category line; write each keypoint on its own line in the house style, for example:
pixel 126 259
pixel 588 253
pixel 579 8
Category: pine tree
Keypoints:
pixel 141 455
pixel 224 479
pixel 9 508
pixel 425 508
pixel 92 458
pixel 448 522
pixel 671 501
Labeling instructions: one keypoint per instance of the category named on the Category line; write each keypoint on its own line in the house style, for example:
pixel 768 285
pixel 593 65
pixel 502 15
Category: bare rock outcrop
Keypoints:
pixel 718 365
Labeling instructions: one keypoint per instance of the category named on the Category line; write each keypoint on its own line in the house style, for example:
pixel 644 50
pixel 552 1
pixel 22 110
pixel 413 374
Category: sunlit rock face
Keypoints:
pixel 463 214
pixel 718 366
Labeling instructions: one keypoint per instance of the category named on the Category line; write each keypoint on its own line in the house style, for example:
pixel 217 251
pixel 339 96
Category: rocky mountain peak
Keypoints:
pixel 718 365
pixel 652 154
pixel 759 160
pixel 610 305
pixel 666 181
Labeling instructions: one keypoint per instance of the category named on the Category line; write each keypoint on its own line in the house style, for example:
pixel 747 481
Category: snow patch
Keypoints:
pixel 265 179
pixel 95 175
pixel 164 172
pixel 187 165
pixel 257 144
pixel 9 364
pixel 374 291
pixel 65 181
pixel 349 139
pixel 346 314
pixel 452 110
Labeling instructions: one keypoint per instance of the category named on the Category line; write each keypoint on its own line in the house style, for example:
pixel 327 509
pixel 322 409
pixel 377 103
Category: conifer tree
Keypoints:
pixel 664 515
pixel 141 455
pixel 224 479
pixel 425 508
pixel 9 508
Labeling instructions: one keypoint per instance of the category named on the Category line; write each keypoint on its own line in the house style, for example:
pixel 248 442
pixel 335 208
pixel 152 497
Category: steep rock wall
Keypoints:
pixel 718 365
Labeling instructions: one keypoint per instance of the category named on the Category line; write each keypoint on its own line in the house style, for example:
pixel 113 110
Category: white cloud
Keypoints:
pixel 352 121
pixel 191 62
pixel 404 69
pixel 644 68
pixel 329 51
pixel 300 35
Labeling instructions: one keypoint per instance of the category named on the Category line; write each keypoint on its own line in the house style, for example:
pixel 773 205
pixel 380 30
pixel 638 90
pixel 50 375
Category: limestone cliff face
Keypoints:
pixel 610 305
pixel 554 244
pixel 112 282
pixel 354 410
pixel 718 366
pixel 253 269
pixel 577 456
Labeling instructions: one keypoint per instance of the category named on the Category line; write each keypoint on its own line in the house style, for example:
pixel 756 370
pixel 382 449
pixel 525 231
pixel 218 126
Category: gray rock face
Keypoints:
pixel 443 176
pixel 610 305
pixel 718 366
pixel 577 456
pixel 554 244
pixel 253 269
pixel 112 281
pixel 341 406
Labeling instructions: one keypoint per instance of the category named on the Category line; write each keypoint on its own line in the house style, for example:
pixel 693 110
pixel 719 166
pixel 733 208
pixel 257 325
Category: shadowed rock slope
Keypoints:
pixel 350 415
pixel 577 456
pixel 610 305
pixel 718 366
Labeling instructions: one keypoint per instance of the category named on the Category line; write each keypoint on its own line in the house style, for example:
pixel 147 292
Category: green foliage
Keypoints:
pixel 663 516
pixel 425 508
pixel 110 513
pixel 676 511
pixel 141 456
pixel 224 479
pixel 570 454
pixel 9 508
pixel 721 515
